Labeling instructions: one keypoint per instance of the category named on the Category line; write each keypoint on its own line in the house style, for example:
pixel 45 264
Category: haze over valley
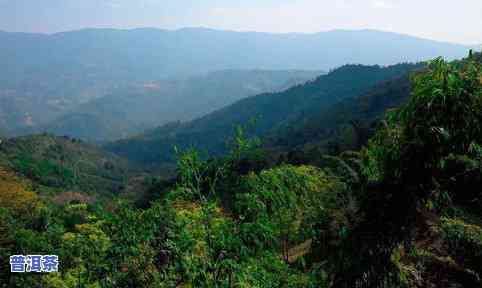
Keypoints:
pixel 107 84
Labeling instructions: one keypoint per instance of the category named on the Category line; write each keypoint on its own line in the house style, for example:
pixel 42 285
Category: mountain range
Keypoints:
pixel 139 106
pixel 147 53
pixel 106 84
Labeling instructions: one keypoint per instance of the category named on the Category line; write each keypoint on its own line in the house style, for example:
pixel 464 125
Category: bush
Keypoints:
pixel 464 242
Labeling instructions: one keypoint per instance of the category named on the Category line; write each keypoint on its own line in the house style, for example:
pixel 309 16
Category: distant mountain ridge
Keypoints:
pixel 158 53
pixel 271 112
pixel 142 105
pixel 52 78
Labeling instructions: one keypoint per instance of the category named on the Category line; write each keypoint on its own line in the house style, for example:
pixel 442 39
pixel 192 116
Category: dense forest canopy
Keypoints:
pixel 63 164
pixel 402 209
pixel 270 112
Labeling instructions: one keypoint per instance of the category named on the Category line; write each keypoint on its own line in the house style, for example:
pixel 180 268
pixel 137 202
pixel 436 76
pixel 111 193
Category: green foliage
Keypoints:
pixel 464 242
pixel 406 162
pixel 242 145
pixel 273 113
pixel 440 97
pixel 195 175
pixel 245 243
pixel 243 221
pixel 383 150
pixel 348 124
pixel 96 248
pixel 286 203
pixel 443 116
pixel 56 164
pixel 44 171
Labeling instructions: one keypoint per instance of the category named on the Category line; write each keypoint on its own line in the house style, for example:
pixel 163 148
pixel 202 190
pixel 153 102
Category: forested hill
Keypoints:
pixel 347 125
pixel 106 111
pixel 60 164
pixel 269 111
pixel 144 105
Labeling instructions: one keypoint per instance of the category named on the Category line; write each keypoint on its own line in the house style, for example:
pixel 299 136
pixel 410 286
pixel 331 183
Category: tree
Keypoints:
pixel 16 196
pixel 405 162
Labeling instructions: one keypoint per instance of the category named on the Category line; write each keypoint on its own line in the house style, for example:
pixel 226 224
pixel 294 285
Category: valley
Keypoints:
pixel 95 85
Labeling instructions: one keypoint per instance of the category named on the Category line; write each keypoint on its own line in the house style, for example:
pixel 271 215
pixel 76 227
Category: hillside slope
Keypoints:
pixel 58 164
pixel 348 124
pixel 271 111
pixel 140 106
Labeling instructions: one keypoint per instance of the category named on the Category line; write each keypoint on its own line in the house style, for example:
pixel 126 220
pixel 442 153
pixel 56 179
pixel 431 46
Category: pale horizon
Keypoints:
pixel 238 31
pixel 423 19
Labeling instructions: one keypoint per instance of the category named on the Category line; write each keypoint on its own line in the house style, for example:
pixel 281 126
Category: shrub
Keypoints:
pixel 464 242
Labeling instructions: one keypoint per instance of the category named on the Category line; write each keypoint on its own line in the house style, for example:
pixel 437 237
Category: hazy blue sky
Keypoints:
pixel 449 20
